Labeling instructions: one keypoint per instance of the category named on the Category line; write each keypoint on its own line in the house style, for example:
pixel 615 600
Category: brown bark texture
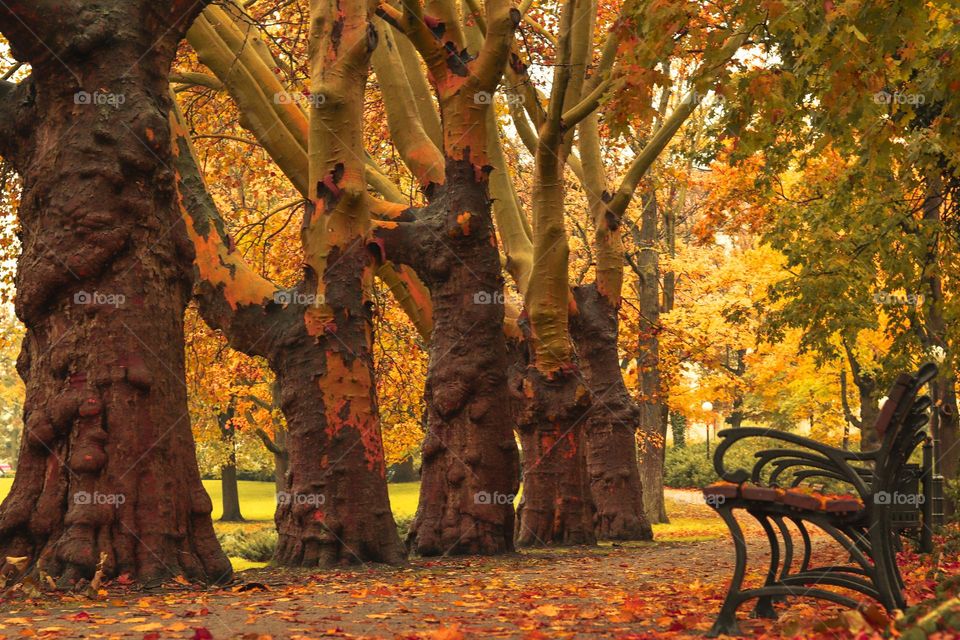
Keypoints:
pixel 470 464
pixel 556 507
pixel 107 472
pixel 333 507
pixel 652 428
pixel 611 428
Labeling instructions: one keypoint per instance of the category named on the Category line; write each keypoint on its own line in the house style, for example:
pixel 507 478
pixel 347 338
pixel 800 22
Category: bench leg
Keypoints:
pixel 726 622
pixel 787 552
pixel 764 607
pixel 888 580
pixel 807 550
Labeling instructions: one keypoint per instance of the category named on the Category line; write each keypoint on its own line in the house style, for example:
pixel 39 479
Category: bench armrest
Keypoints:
pixel 820 459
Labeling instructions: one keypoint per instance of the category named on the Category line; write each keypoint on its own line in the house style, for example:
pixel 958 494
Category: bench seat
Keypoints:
pixel 796 498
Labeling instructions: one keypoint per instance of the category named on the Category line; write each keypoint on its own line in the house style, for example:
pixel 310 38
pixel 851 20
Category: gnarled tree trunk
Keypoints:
pixel 107 472
pixel 470 467
pixel 612 425
pixel 556 506
pixel 333 503
pixel 470 471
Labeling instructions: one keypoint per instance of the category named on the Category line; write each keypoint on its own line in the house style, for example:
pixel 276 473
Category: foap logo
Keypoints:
pixel 696 98
pixel 311 499
pixel 485 97
pixel 485 497
pixel 487 297
pixel 296 297
pixel 96 498
pixel 99 98
pixel 98 299
pixel 697 497
pixel 886 97
pixel 898 299
pixel 898 499
pixel 305 98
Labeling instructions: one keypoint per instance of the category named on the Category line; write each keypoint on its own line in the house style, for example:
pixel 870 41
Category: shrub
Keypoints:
pixel 689 467
pixel 403 526
pixel 257 545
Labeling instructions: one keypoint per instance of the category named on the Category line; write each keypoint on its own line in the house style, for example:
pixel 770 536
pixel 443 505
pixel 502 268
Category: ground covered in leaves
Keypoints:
pixel 668 588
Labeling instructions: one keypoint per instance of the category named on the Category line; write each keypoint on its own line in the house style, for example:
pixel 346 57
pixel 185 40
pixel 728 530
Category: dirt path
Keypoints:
pixel 634 590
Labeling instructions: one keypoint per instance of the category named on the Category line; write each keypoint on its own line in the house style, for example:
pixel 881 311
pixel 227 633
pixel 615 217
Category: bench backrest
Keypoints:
pixel 900 424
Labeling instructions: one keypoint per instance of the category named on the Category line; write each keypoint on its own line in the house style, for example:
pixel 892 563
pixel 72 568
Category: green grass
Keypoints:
pixel 258 500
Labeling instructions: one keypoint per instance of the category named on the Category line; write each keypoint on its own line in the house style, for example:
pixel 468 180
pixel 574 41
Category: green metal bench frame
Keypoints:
pixel 869 534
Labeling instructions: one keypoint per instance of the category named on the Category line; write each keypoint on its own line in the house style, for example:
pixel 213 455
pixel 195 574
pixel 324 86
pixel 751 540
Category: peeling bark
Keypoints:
pixel 470 465
pixel 556 507
pixel 334 508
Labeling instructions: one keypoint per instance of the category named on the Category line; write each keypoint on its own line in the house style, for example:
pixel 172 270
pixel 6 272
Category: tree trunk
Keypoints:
pixel 611 444
pixel 556 507
pixel 333 507
pixel 404 471
pixel 470 465
pixel 735 419
pixel 281 460
pixel 869 412
pixel 678 427
pixel 230 491
pixel 934 336
pixel 107 472
pixel 652 431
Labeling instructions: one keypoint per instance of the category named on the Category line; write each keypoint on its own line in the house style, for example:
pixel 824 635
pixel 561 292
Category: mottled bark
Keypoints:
pixel 107 471
pixel 612 424
pixel 470 465
pixel 556 507
pixel 334 507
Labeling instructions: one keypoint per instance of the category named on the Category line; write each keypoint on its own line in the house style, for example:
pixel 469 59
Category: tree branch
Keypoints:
pixel 847 413
pixel 268 442
pixel 417 150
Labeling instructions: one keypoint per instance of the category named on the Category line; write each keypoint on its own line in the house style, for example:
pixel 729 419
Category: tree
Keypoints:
pixel 881 108
pixel 107 474
pixel 316 337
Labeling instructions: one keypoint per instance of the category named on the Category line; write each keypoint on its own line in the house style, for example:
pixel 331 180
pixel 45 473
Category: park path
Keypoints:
pixel 633 590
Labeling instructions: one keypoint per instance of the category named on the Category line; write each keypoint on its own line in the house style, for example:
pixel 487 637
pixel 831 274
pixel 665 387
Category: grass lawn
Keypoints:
pixel 258 500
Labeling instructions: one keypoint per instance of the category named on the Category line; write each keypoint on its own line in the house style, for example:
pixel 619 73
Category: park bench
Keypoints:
pixel 862 500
